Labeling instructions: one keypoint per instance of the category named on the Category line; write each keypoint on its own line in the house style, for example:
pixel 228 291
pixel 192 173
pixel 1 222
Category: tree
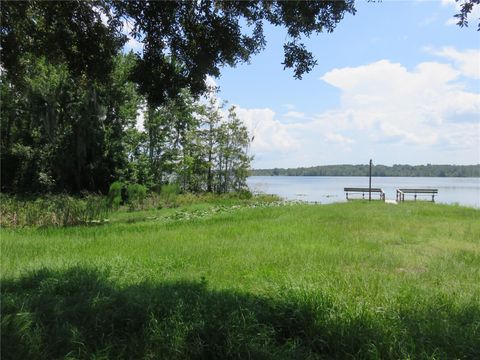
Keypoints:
pixel 209 133
pixel 195 145
pixel 71 33
pixel 168 128
pixel 65 134
pixel 184 41
pixel 233 159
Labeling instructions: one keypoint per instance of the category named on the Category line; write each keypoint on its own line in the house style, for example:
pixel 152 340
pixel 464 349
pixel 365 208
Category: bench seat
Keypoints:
pixel 364 191
pixel 415 192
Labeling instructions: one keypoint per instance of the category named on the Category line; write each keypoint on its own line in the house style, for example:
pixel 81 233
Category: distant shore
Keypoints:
pixel 377 171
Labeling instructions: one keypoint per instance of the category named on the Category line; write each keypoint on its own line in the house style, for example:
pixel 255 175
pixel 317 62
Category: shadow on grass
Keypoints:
pixel 80 314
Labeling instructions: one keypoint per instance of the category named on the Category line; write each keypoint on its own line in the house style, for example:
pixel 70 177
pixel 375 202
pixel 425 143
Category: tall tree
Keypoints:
pixel 233 158
pixel 210 135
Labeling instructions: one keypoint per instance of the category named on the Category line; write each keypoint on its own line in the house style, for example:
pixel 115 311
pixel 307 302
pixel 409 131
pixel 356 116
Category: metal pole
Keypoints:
pixel 370 182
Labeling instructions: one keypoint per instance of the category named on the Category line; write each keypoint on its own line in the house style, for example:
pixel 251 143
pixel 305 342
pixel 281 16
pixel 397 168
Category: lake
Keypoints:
pixel 328 189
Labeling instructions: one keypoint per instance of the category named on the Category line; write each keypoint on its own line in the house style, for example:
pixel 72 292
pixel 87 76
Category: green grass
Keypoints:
pixel 353 280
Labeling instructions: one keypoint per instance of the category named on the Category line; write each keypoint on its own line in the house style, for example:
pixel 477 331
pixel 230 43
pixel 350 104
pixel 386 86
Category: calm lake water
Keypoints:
pixel 328 189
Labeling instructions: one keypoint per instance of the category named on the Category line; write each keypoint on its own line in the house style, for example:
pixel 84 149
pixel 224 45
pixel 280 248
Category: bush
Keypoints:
pixel 115 194
pixel 169 194
pixel 136 194
pixel 244 194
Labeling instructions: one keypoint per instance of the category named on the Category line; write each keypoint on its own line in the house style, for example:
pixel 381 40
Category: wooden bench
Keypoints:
pixel 364 191
pixel 416 192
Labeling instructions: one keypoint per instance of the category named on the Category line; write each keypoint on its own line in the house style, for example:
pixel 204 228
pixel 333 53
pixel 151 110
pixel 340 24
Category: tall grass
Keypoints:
pixel 340 281
pixel 52 210
pixel 64 210
pixel 115 197
pixel 169 194
pixel 136 194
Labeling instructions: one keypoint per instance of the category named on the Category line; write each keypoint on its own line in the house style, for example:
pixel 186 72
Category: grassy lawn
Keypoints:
pixel 351 280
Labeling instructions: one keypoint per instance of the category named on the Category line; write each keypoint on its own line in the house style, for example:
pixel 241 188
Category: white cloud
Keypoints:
pixel 269 133
pixel 448 2
pixel 412 107
pixel 294 114
pixel 339 139
pixel 425 111
pixel 289 106
pixel 467 62
pixel 392 131
pixel 451 21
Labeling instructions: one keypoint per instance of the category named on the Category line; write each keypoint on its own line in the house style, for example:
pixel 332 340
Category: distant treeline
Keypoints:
pixel 377 170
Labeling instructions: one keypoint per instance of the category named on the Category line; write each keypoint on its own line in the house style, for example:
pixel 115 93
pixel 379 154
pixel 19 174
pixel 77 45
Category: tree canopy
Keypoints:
pixel 466 8
pixel 184 41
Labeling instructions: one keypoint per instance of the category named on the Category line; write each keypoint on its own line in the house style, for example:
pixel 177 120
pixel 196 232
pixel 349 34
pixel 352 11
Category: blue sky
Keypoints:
pixel 398 82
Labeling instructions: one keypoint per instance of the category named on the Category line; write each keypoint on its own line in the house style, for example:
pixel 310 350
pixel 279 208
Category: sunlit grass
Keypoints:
pixel 331 281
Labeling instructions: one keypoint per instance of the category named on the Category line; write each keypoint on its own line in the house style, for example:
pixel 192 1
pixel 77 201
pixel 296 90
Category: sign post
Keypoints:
pixel 370 182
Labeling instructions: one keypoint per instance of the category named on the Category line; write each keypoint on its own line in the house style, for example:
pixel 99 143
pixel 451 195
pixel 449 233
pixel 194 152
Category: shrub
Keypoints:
pixel 244 194
pixel 115 194
pixel 136 194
